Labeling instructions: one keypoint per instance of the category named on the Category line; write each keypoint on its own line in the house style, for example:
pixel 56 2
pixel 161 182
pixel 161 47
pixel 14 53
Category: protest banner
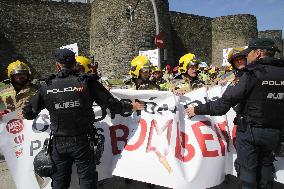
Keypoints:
pixel 158 145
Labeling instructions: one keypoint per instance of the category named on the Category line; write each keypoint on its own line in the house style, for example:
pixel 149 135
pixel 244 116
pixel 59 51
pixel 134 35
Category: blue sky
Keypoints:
pixel 269 13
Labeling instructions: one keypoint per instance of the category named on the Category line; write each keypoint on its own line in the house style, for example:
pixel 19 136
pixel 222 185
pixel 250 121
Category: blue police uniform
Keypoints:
pixel 69 96
pixel 259 92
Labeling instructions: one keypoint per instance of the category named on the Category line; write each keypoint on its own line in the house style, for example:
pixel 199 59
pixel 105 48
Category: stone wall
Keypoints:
pixel 33 30
pixel 276 35
pixel 115 41
pixel 191 33
pixel 231 31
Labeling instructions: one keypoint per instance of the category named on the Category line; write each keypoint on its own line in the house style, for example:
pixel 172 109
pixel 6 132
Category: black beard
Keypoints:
pixel 20 83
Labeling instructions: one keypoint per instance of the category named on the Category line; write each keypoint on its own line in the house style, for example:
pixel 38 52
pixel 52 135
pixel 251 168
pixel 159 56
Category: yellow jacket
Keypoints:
pixel 11 101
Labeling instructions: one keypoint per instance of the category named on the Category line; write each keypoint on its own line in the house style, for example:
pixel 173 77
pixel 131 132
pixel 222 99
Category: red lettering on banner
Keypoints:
pixel 19 139
pixel 19 152
pixel 234 135
pixel 220 141
pixel 201 138
pixel 114 139
pixel 184 151
pixel 168 125
pixel 15 126
pixel 223 126
pixel 182 141
pixel 162 157
pixel 141 138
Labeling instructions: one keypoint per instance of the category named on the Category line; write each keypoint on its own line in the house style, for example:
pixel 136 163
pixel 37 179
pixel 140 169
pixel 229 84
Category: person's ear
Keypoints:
pixel 258 53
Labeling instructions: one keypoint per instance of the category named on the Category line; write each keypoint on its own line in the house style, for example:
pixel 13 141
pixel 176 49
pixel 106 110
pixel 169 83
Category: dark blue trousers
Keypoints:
pixel 255 148
pixel 69 150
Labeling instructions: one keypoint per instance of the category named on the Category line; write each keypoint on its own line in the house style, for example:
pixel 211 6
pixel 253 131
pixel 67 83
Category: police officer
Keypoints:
pixel 69 96
pixel 260 92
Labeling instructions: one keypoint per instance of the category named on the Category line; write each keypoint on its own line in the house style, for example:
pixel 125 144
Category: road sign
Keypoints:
pixel 159 40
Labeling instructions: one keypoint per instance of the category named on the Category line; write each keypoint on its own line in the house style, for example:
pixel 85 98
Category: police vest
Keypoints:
pixel 265 104
pixel 69 103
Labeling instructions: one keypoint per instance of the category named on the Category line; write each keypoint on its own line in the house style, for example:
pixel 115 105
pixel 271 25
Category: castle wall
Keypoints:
pixel 115 41
pixel 191 33
pixel 276 35
pixel 231 31
pixel 33 30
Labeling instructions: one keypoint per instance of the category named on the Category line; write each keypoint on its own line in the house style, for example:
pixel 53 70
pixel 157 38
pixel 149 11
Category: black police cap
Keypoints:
pixel 260 43
pixel 65 56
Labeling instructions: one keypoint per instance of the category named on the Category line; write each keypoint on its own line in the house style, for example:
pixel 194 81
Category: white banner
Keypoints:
pixel 152 55
pixel 158 145
pixel 73 47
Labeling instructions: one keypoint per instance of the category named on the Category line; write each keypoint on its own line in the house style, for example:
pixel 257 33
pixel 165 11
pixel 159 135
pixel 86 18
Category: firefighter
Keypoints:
pixel 187 78
pixel 140 72
pixel 16 95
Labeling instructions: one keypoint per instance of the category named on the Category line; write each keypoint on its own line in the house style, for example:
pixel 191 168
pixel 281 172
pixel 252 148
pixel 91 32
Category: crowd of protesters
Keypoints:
pixel 190 74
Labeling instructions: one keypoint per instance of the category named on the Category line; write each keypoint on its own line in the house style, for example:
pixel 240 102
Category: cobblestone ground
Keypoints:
pixel 118 182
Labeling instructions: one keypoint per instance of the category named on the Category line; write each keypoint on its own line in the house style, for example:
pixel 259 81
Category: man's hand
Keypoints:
pixel 20 115
pixel 178 92
pixel 222 82
pixel 138 106
pixel 190 111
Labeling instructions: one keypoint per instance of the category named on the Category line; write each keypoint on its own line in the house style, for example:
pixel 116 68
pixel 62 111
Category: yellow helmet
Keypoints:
pixel 235 53
pixel 85 63
pixel 185 61
pixel 138 63
pixel 18 67
pixel 156 69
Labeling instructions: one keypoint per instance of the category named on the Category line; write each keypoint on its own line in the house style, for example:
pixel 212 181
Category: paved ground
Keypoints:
pixel 6 181
pixel 117 182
